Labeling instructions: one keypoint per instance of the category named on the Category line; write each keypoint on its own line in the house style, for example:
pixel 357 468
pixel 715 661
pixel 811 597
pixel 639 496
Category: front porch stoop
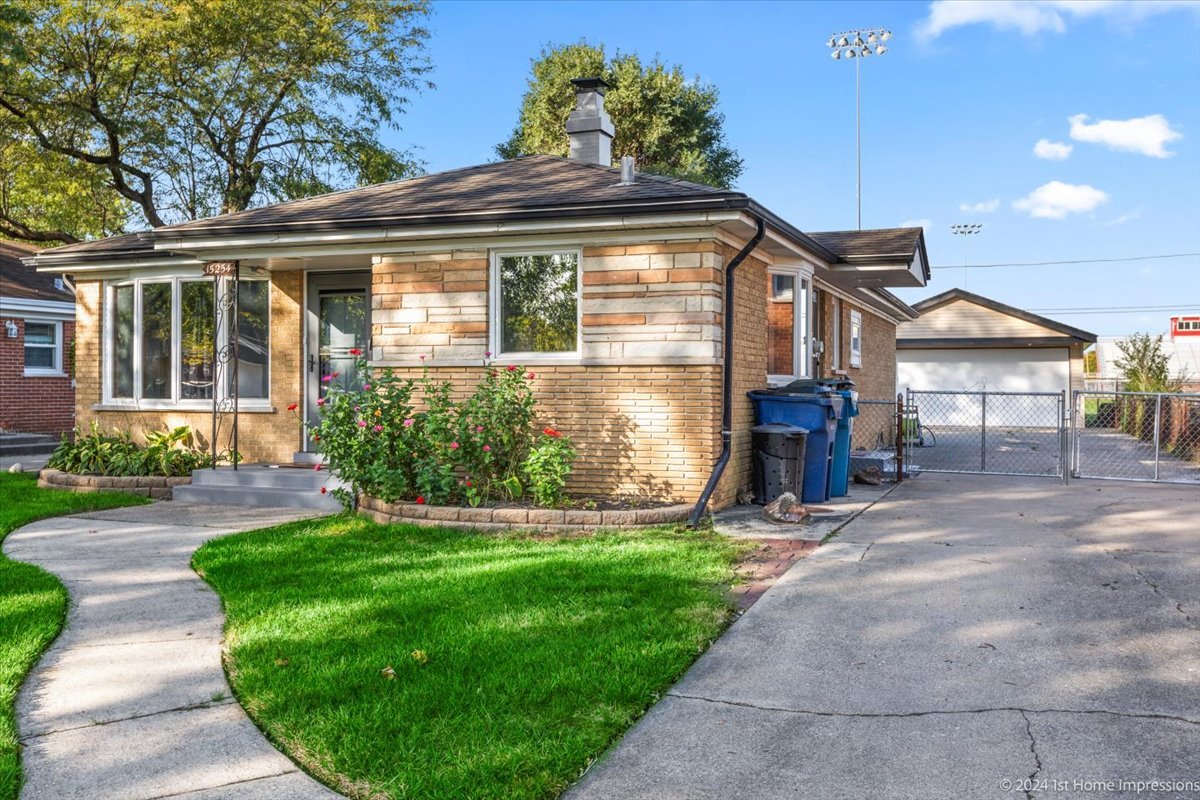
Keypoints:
pixel 263 485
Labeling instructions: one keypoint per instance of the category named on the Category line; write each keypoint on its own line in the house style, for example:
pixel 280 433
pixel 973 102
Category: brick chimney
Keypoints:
pixel 589 127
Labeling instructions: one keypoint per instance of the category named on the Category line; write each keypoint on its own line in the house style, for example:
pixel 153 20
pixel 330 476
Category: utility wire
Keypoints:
pixel 1057 263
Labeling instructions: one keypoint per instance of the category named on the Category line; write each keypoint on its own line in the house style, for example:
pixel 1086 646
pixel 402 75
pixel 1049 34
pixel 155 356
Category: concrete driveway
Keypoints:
pixel 966 637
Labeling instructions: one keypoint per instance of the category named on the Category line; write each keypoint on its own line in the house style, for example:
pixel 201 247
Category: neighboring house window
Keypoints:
pixel 535 304
pixel 43 348
pixel 855 339
pixel 836 361
pixel 788 332
pixel 159 340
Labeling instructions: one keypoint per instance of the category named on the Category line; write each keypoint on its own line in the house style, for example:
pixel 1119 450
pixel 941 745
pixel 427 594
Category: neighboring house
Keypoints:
pixel 1182 349
pixel 37 332
pixel 609 287
pixel 962 341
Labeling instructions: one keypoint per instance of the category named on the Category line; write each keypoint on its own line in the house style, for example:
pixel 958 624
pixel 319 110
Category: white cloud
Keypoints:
pixel 1128 217
pixel 985 207
pixel 1145 135
pixel 1031 17
pixel 1055 200
pixel 924 222
pixel 1052 151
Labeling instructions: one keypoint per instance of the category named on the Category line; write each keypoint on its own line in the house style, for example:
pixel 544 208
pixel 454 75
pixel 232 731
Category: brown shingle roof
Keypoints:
pixel 18 280
pixel 523 183
pixel 878 242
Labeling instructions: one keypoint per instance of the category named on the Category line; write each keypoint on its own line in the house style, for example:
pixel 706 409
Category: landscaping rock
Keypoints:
pixel 15 467
pixel 786 509
pixel 870 476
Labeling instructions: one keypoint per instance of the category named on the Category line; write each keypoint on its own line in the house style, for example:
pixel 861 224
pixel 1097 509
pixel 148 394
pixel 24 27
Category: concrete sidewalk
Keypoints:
pixel 131 702
pixel 962 636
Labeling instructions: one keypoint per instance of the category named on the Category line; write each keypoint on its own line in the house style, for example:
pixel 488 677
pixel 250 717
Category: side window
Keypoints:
pixel 855 339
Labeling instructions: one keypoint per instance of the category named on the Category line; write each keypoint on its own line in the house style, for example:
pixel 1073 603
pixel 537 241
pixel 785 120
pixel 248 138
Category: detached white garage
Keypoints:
pixel 964 342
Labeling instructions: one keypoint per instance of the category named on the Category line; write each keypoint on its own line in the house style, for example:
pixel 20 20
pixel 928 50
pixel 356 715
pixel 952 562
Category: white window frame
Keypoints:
pixel 495 335
pixel 174 401
pixel 836 361
pixel 55 371
pixel 801 323
pixel 855 339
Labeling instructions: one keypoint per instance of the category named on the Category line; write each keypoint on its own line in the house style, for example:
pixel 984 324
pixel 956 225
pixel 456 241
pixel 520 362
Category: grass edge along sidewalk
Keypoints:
pixel 33 603
pixel 395 661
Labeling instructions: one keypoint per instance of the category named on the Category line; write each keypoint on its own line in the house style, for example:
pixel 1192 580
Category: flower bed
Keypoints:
pixel 155 486
pixel 399 439
pixel 550 520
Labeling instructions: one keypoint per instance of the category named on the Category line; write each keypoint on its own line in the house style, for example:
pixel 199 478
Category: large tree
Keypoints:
pixel 669 123
pixel 189 108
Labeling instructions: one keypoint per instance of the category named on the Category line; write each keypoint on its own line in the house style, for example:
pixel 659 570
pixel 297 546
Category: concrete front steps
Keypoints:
pixel 263 485
pixel 27 444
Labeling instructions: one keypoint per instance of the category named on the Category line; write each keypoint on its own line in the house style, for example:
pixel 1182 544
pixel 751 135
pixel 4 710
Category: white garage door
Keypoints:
pixel 986 369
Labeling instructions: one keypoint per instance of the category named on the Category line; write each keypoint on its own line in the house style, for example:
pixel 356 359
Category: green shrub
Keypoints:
pixel 169 453
pixel 547 467
pixel 470 451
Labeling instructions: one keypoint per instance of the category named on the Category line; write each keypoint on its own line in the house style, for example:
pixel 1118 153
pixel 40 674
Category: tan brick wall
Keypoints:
pixel 641 431
pixel 271 436
pixel 645 303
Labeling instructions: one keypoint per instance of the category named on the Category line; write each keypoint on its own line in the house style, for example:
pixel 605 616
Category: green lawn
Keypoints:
pixel 514 660
pixel 32 602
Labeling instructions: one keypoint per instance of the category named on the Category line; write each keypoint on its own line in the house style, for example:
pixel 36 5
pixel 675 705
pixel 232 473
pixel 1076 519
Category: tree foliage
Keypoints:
pixel 669 123
pixel 1144 366
pixel 189 108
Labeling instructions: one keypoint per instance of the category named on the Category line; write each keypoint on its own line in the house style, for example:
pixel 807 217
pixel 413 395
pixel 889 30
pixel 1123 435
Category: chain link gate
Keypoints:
pixel 988 433
pixel 1136 436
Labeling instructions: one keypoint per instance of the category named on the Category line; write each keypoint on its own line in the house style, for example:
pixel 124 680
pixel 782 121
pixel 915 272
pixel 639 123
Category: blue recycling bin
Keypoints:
pixel 816 412
pixel 839 476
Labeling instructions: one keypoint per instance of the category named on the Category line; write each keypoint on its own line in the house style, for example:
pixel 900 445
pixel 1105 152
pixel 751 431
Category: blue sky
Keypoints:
pixel 951 117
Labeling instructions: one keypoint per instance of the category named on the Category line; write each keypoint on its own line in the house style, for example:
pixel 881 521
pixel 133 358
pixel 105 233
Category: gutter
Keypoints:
pixel 727 388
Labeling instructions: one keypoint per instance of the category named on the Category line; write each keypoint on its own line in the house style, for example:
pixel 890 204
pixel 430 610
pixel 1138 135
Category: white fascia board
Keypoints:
pixel 468 230
pixel 165 264
pixel 387 249
pixel 23 307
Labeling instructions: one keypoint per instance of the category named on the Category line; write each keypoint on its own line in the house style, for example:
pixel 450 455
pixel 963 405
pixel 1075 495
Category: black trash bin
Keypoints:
pixel 778 460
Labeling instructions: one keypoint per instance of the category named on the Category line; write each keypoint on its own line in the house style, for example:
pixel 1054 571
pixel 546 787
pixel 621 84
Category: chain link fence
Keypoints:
pixel 1136 436
pixel 994 433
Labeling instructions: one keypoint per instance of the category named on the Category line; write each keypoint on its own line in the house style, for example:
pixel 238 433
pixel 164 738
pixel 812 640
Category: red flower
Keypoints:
pixel 530 375
pixel 420 500
pixel 551 432
pixel 293 406
pixel 316 438
pixel 511 368
pixel 323 490
pixel 354 351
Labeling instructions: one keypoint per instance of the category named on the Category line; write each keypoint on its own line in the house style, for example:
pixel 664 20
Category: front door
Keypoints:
pixel 339 320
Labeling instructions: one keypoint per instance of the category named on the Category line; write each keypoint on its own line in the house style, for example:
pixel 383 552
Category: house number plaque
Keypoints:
pixel 220 267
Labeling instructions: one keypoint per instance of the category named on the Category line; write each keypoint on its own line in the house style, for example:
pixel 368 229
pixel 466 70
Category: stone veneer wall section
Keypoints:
pixel 263 436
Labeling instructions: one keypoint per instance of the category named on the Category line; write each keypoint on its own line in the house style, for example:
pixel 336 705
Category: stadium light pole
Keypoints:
pixel 857 45
pixel 966 230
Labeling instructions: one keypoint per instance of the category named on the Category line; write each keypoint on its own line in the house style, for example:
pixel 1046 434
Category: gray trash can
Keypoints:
pixel 778 460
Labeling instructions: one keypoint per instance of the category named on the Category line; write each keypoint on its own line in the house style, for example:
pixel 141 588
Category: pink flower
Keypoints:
pixel 323 490
pixel 487 353
pixel 326 378
pixel 408 423
pixel 366 387
pixel 530 376
pixel 320 401
pixel 362 423
pixel 358 408
pixel 487 448
pixel 454 445
pixel 511 368
pixel 422 358
pixel 479 429
pixel 377 428
pixel 316 467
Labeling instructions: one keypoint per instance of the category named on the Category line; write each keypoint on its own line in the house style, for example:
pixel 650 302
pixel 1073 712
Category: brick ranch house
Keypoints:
pixel 608 285
pixel 37 333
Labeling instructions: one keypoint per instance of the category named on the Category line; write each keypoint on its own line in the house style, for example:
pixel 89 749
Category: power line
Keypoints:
pixel 1057 263
pixel 1098 309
